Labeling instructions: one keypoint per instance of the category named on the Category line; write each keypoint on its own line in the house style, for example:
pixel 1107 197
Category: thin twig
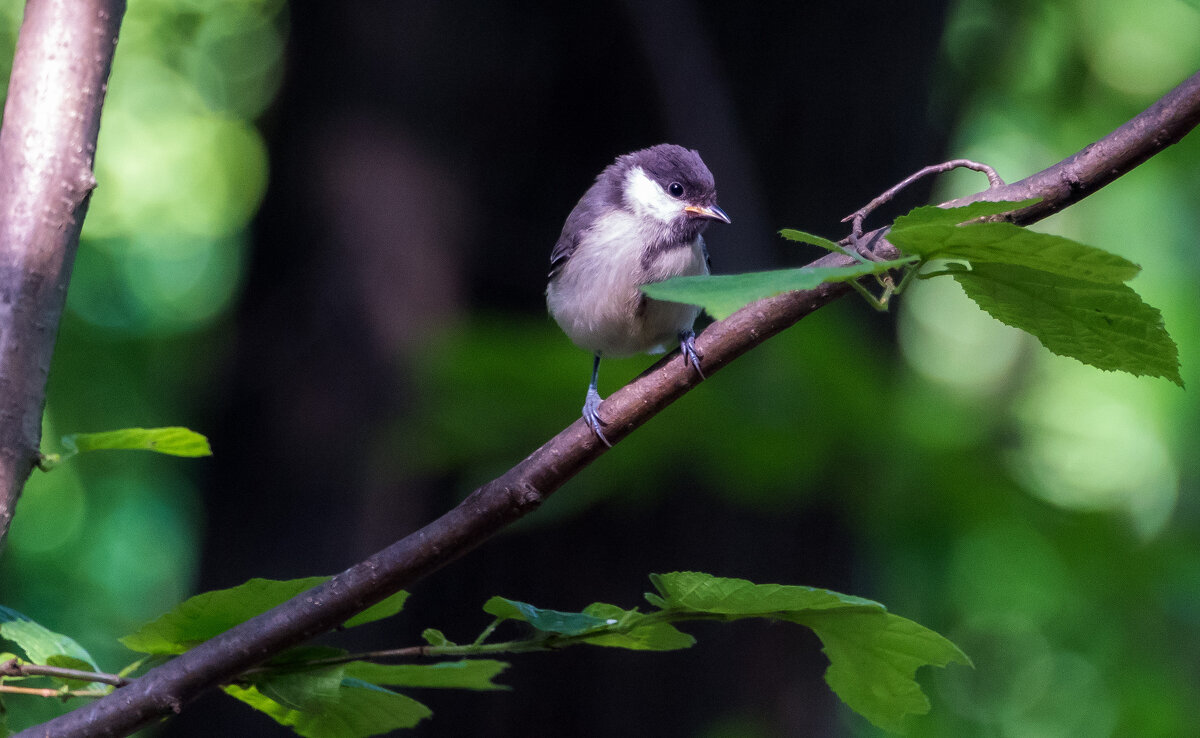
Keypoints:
pixel 14 668
pixel 51 692
pixel 858 216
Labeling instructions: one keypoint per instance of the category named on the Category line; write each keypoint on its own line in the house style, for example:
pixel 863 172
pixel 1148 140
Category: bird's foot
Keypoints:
pixel 687 347
pixel 591 414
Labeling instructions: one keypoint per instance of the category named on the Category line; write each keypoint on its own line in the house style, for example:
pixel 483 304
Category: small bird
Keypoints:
pixel 639 223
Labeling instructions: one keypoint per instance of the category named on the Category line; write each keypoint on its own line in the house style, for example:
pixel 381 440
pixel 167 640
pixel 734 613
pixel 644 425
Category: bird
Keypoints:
pixel 640 222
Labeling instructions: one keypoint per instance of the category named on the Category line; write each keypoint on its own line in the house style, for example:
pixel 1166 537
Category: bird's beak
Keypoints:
pixel 710 211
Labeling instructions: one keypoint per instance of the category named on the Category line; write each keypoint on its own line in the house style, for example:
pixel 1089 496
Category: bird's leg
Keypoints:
pixel 591 404
pixel 687 347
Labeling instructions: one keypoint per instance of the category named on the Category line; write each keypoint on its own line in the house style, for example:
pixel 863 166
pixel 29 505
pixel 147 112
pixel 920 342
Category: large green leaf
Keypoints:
pixel 873 659
pixel 873 654
pixel 203 616
pixel 934 233
pixel 933 215
pixel 464 674
pixel 699 592
pixel 724 295
pixel 1104 325
pixel 356 710
pixel 42 645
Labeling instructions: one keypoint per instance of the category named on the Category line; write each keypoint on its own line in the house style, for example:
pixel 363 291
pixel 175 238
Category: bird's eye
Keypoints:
pixel 675 189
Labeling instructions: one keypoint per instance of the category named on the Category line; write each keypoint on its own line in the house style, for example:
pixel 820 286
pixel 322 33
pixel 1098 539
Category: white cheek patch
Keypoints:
pixel 648 199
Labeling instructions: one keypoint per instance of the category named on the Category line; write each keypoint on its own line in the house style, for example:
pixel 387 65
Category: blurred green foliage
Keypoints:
pixel 101 544
pixel 1051 529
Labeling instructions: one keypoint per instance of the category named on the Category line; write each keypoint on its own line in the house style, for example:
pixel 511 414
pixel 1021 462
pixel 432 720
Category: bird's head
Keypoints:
pixel 669 185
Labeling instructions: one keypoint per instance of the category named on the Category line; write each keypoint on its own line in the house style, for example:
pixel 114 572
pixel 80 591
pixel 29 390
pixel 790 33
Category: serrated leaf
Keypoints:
pixel 725 294
pixel 873 659
pixel 358 709
pixel 933 215
pixel 633 634
pixel 175 441
pixel 40 644
pixel 873 654
pixel 792 234
pixel 1005 243
pixel 548 621
pixel 203 616
pixel 474 674
pixel 435 637
pixel 700 592
pixel 1105 325
pixel 379 611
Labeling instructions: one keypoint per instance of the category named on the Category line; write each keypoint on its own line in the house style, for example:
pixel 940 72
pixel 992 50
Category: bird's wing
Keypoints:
pixel 578 223
pixel 562 251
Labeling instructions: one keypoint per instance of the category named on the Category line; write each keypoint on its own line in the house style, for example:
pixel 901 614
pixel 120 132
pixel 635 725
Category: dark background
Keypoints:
pixel 424 156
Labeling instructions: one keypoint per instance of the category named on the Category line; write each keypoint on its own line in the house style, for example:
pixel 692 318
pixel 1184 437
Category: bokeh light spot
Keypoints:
pixel 945 337
pixel 50 513
pixel 1091 442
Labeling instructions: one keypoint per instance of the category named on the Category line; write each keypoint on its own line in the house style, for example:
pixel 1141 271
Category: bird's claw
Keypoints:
pixel 687 346
pixel 591 414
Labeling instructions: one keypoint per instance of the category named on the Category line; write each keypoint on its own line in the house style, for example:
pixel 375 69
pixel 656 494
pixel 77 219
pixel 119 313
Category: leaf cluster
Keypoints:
pixel 1072 297
pixel 327 692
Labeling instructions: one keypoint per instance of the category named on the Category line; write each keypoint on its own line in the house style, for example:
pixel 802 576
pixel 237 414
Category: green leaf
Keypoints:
pixel 631 633
pixel 435 637
pixel 40 644
pixel 465 674
pixel 203 616
pixel 302 690
pixel 379 611
pixel 873 658
pixel 873 654
pixel 725 294
pixel 358 709
pixel 1005 243
pixel 933 215
pixel 1104 325
pixel 70 662
pixel 199 618
pixel 306 653
pixel 699 592
pixel 549 621
pixel 792 234
pixel 174 441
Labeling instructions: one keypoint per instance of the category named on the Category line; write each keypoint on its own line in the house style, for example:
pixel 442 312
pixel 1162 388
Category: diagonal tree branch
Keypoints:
pixel 522 489
pixel 1097 164
pixel 47 145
